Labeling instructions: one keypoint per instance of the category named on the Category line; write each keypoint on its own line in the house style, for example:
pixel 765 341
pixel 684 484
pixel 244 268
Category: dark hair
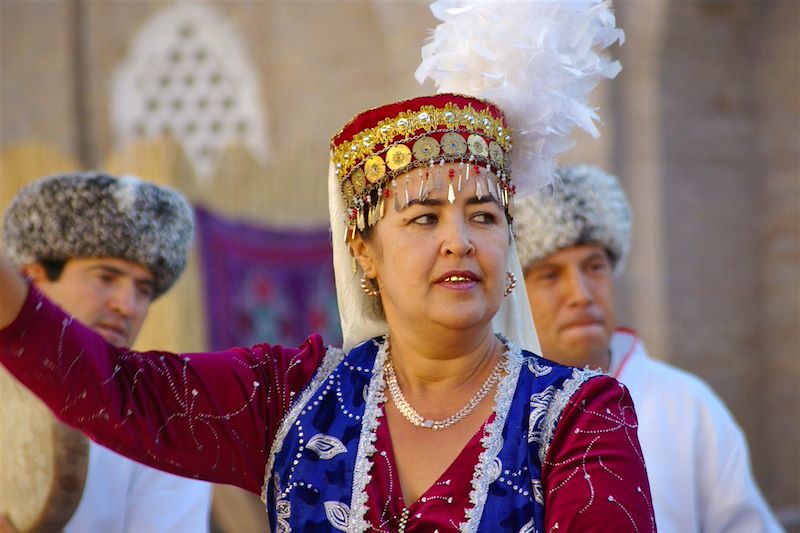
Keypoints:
pixel 53 268
pixel 366 233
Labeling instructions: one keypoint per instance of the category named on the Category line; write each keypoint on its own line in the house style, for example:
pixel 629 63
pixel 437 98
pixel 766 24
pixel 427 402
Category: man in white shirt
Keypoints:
pixel 572 239
pixel 103 248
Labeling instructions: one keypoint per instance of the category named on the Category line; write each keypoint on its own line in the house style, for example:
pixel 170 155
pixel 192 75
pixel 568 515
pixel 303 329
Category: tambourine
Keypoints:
pixel 42 462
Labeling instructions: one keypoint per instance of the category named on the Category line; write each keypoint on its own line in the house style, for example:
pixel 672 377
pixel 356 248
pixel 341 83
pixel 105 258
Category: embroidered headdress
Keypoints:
pixel 584 205
pixel 380 144
pixel 97 215
pixel 536 63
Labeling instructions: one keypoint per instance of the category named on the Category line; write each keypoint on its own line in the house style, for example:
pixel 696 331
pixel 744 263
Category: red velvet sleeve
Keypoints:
pixel 210 416
pixel 594 476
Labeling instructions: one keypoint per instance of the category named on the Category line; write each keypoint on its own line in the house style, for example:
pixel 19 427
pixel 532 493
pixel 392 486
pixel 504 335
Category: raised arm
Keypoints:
pixel 210 416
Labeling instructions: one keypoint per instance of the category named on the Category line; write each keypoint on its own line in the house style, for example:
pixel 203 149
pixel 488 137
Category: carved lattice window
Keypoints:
pixel 186 75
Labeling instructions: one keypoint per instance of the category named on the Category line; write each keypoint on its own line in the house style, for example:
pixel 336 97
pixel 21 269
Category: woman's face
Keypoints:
pixel 437 262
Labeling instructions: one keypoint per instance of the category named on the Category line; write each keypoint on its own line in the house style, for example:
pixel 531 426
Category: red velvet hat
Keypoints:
pixel 380 144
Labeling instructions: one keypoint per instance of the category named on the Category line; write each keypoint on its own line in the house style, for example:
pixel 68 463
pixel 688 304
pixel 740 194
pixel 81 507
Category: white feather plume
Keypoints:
pixel 538 60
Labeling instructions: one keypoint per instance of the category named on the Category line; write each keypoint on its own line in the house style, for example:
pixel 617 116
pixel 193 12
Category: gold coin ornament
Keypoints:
pixel 359 180
pixel 398 156
pixel 368 161
pixel 347 188
pixel 496 153
pixel 374 168
pixel 453 144
pixel 426 148
pixel 477 145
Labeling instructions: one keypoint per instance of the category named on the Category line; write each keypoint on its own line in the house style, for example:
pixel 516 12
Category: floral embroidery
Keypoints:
pixel 559 402
pixel 537 369
pixel 538 495
pixel 540 402
pixel 338 514
pixel 506 484
pixel 494 470
pixel 283 511
pixel 332 358
pixel 326 446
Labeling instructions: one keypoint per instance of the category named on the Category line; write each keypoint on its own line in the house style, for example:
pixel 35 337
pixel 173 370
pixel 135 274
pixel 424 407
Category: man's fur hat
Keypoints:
pixel 584 205
pixel 97 215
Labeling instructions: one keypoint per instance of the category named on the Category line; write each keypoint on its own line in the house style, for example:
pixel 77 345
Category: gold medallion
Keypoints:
pixel 453 144
pixel 398 156
pixel 347 189
pixel 374 168
pixel 477 145
pixel 426 148
pixel 359 180
pixel 496 153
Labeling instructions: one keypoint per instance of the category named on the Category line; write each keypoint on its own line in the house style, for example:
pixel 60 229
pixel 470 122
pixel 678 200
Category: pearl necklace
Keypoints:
pixel 410 414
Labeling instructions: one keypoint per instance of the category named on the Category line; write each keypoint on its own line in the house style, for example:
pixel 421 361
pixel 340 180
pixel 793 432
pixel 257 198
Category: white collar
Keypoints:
pixel 623 344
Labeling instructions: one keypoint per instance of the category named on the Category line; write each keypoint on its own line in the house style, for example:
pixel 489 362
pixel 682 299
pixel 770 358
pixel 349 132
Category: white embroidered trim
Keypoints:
pixel 366 442
pixel 493 441
pixel 560 401
pixel 333 356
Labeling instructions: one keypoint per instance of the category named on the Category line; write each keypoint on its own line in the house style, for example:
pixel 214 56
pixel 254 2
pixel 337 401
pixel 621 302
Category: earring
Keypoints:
pixel 511 282
pixel 366 286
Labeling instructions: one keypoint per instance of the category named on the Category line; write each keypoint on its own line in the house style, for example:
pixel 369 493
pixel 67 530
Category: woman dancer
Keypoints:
pixel 431 417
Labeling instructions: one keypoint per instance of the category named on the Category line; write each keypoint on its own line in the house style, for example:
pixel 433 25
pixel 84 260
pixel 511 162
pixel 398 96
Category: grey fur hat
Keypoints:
pixel 584 205
pixel 97 215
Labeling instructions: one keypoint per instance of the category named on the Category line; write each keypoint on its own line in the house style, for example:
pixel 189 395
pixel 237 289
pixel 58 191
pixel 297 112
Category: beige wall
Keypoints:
pixel 702 126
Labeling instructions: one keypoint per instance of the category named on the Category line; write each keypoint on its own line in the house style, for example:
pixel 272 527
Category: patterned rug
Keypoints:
pixel 266 285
